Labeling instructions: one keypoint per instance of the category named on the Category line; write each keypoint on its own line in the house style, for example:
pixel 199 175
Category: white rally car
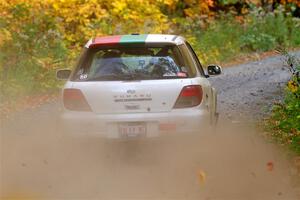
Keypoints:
pixel 133 86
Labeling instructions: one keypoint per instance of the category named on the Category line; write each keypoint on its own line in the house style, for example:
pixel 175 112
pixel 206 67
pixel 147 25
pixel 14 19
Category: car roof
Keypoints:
pixel 135 39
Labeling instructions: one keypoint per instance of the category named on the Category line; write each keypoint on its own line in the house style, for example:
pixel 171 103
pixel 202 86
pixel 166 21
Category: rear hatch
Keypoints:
pixel 133 74
pixel 116 97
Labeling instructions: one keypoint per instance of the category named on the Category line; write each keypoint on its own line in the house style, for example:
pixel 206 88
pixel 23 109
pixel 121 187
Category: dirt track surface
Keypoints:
pixel 235 163
pixel 247 91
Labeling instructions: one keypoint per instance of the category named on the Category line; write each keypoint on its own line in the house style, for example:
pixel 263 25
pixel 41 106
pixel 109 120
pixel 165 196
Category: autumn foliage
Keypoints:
pixel 77 20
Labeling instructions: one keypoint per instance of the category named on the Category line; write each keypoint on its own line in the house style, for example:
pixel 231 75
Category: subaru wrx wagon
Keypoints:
pixel 138 86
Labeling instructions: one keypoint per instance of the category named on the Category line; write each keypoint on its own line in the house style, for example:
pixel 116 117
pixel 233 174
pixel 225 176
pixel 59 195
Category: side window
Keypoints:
pixel 79 66
pixel 188 60
pixel 194 55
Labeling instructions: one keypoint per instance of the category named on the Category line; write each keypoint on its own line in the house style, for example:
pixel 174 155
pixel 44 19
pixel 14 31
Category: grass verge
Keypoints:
pixel 284 122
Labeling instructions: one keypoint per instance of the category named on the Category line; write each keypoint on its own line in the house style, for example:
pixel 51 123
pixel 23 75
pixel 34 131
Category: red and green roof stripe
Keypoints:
pixel 130 39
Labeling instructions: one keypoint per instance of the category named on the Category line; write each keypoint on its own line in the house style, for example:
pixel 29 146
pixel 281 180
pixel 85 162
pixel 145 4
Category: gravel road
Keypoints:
pixel 247 91
pixel 235 163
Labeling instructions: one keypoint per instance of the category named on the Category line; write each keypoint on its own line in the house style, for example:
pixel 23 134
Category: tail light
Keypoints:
pixel 74 100
pixel 189 96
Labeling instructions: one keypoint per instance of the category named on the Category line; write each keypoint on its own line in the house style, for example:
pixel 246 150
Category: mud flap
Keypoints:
pixel 216 118
pixel 214 115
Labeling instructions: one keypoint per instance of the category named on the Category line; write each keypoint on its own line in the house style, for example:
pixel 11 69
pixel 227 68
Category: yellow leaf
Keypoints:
pixel 201 176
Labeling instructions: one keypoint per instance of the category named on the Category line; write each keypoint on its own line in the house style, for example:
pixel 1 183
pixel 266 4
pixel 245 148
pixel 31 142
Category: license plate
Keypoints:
pixel 132 129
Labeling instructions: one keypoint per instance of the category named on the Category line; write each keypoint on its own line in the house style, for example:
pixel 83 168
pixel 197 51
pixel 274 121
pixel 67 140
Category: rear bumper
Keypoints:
pixel 181 121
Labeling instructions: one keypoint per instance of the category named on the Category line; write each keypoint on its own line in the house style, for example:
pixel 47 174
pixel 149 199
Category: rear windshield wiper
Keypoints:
pixel 120 77
pixel 140 76
pixel 117 77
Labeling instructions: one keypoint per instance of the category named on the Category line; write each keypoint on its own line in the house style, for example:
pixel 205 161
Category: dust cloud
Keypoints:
pixel 235 162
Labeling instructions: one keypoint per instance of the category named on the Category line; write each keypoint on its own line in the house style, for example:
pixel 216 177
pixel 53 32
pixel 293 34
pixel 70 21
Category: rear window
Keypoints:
pixel 133 63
